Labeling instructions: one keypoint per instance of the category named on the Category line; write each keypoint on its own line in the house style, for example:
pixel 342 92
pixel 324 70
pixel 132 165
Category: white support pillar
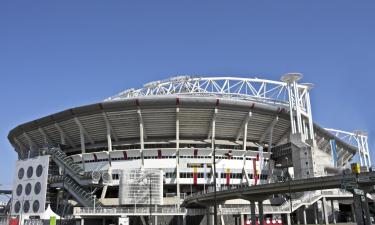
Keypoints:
pixel 213 134
pixel 325 211
pixel 299 105
pixel 244 144
pixel 82 138
pixel 244 141
pixel 315 207
pixel 288 219
pixel 333 212
pixel 304 215
pixel 141 135
pixel 109 138
pixel 30 142
pixel 46 138
pixel 178 153
pixel 213 128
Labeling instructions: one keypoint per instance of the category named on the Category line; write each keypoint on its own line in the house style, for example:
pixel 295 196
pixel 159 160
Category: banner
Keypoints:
pixel 52 220
pixel 228 176
pixel 195 176
pixel 255 174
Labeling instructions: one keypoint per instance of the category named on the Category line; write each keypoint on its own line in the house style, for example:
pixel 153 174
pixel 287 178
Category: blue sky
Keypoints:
pixel 60 54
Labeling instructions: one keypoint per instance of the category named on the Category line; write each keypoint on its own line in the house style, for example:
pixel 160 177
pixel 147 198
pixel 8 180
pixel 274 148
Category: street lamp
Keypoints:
pixel 290 193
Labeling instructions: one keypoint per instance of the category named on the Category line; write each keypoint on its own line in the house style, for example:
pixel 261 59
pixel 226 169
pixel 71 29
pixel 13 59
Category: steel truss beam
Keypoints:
pixel 260 90
pixel 358 139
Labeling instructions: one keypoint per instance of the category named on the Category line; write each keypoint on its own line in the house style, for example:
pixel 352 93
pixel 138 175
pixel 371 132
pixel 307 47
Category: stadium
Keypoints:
pixel 135 157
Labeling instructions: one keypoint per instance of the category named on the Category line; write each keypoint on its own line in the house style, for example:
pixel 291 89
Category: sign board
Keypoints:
pixel 356 168
pixel 30 186
pixel 123 220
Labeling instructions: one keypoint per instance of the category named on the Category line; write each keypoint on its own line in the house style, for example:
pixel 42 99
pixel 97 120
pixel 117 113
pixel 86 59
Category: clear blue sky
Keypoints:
pixel 60 54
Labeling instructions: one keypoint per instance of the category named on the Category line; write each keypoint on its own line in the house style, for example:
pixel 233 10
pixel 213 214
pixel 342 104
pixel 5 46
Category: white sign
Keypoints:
pixel 123 221
pixel 30 186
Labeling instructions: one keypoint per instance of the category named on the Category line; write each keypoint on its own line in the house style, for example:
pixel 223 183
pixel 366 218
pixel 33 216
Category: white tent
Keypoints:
pixel 48 214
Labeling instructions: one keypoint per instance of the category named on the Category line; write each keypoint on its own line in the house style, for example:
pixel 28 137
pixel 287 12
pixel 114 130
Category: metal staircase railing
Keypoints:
pixel 66 163
pixel 83 197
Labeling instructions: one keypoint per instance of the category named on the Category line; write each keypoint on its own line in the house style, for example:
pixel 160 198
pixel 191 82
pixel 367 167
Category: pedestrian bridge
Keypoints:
pixel 262 192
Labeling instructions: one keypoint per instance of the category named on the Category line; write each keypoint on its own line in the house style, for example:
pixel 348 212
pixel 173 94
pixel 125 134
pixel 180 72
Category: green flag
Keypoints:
pixel 52 220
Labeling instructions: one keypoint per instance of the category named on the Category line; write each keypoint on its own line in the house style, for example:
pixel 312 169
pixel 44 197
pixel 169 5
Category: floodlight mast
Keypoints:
pixel 299 107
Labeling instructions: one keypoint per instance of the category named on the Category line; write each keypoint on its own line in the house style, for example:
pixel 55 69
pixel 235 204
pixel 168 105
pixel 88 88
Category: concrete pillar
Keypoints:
pixel 353 213
pixel 242 219
pixel 183 220
pixel 288 219
pixel 82 221
pixel 156 220
pixel 325 213
pixel 298 215
pixel 333 212
pixel 252 210
pixel 103 221
pixel 315 208
pixel 261 216
pixel 304 215
pixel 361 209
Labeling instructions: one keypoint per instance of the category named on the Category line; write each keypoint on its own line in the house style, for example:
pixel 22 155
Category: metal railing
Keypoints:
pixel 67 163
pixel 85 198
pixel 128 210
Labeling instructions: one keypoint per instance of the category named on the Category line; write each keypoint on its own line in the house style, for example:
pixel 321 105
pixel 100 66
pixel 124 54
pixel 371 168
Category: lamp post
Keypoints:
pixel 290 193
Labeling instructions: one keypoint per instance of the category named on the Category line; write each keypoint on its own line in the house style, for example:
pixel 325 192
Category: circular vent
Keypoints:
pixel 30 172
pixel 19 190
pixel 26 206
pixel 36 206
pixel 21 172
pixel 28 189
pixel 17 207
pixel 39 170
pixel 37 188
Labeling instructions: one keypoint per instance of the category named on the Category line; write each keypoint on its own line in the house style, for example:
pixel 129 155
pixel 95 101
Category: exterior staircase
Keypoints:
pixel 84 197
pixel 74 178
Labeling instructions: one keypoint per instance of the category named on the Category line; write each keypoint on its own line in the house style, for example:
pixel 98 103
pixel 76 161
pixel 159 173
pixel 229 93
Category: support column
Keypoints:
pixel 252 212
pixel 304 215
pixel 103 221
pixel 362 213
pixel 156 220
pixel 83 146
pixel 178 153
pixel 242 219
pixel 260 215
pixel 353 212
pixel 82 221
pixel 142 143
pixel 333 212
pixel 183 220
pixel 315 207
pixel 288 219
pixel 324 208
